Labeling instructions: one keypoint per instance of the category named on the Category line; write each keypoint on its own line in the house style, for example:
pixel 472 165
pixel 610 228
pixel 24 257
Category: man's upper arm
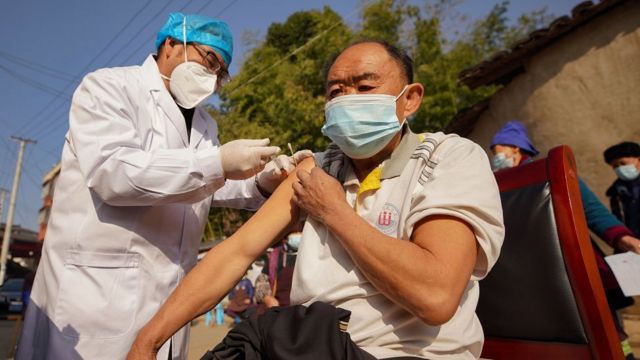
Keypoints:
pixel 462 190
pixel 453 243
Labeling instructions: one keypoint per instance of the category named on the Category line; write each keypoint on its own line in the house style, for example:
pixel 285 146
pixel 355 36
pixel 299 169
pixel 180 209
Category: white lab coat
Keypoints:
pixel 130 206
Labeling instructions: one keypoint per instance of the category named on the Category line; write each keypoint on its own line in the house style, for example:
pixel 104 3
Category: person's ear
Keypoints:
pixel 170 47
pixel 167 48
pixel 413 96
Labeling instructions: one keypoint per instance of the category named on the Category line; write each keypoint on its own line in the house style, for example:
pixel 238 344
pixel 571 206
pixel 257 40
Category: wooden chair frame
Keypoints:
pixel 559 169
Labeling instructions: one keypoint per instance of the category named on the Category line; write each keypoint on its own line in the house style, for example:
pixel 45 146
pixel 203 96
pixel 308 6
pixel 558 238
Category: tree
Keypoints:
pixel 279 90
pixel 283 102
pixel 381 20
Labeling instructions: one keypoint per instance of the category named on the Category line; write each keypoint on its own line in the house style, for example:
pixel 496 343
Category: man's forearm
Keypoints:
pixel 202 289
pixel 405 272
pixel 223 266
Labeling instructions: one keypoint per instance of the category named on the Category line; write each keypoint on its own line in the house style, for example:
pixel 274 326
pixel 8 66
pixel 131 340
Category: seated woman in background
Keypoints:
pixel 511 148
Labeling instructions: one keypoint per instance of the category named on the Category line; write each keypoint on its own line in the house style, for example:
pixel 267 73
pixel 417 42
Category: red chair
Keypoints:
pixel 544 298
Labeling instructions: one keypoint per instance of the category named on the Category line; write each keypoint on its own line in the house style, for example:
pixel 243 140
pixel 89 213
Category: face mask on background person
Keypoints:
pixel 627 172
pixel 293 241
pixel 190 83
pixel 501 161
pixel 362 124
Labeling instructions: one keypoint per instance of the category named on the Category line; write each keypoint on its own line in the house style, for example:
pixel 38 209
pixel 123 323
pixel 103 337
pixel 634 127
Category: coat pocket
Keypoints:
pixel 99 294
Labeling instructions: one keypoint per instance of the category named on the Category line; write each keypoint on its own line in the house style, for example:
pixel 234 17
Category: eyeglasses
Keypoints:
pixel 212 63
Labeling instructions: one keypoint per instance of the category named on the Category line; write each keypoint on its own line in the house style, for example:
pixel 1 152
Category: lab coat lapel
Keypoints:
pixel 199 127
pixel 168 105
pixel 163 98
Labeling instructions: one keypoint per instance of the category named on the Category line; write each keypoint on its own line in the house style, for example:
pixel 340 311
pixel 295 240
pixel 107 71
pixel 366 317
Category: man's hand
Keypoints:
pixel 629 243
pixel 319 194
pixel 242 159
pixel 277 170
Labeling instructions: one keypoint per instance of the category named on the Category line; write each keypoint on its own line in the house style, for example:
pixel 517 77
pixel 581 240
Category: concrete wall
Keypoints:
pixel 583 91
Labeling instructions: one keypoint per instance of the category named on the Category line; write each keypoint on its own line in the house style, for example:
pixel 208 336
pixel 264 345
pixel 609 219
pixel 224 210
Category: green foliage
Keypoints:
pixel 284 102
pixel 279 90
pixel 381 20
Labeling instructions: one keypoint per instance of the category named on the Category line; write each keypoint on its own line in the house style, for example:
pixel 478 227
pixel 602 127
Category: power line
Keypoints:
pixel 27 157
pixel 135 52
pixel 7 154
pixel 35 84
pixel 51 125
pixel 12 204
pixel 12 152
pixel 54 124
pixel 50 153
pixel 19 208
pixel 24 129
pixel 138 33
pixel 42 69
pixel 221 11
pixel 5 176
pixel 53 119
pixel 297 50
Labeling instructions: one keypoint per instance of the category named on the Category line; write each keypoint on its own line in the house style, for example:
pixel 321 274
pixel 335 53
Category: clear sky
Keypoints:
pixel 47 46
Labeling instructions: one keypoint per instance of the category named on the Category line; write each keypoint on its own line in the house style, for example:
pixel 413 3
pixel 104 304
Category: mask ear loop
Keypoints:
pixel 398 97
pixel 402 92
pixel 184 37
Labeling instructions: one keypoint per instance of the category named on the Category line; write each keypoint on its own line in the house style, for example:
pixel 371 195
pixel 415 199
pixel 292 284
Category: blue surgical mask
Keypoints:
pixel 627 172
pixel 501 161
pixel 293 241
pixel 362 124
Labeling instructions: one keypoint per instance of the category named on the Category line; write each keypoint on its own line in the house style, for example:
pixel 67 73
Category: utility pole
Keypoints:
pixel 3 192
pixel 12 206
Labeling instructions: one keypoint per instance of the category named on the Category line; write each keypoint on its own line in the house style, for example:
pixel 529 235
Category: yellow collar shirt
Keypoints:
pixel 439 174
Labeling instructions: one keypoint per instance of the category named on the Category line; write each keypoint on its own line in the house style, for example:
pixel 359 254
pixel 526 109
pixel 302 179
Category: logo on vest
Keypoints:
pixel 388 218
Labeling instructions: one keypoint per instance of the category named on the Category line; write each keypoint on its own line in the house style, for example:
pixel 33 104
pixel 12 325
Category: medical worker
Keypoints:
pixel 141 166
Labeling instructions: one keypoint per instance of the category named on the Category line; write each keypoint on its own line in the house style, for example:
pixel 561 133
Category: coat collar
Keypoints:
pixel 394 165
pixel 163 98
pixel 202 123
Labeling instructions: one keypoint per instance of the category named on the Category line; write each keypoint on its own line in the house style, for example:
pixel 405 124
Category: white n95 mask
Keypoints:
pixel 362 124
pixel 190 83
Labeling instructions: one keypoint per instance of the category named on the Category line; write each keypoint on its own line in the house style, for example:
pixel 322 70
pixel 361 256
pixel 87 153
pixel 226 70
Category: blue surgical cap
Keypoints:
pixel 515 134
pixel 200 29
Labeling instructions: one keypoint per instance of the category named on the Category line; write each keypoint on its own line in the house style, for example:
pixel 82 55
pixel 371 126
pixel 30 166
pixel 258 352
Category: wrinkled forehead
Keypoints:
pixel 368 58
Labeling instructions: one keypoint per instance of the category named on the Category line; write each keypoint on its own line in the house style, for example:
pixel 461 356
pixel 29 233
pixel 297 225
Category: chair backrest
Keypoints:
pixel 544 299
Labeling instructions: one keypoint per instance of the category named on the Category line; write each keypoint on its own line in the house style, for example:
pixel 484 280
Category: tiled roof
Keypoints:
pixel 464 121
pixel 503 66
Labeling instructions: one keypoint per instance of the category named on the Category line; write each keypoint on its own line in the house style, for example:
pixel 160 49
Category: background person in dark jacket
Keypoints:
pixel 511 147
pixel 624 193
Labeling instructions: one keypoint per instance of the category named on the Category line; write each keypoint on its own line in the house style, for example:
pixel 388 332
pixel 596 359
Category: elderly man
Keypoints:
pixel 400 226
pixel 141 167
